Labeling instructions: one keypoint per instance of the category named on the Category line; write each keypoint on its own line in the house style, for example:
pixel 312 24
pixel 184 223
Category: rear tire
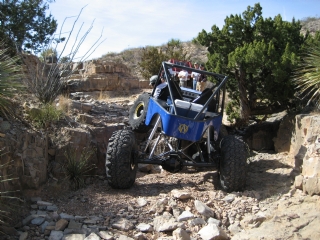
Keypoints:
pixel 121 165
pixel 233 164
pixel 138 113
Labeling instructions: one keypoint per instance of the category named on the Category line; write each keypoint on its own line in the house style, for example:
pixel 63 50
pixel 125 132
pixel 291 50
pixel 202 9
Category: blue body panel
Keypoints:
pixel 181 127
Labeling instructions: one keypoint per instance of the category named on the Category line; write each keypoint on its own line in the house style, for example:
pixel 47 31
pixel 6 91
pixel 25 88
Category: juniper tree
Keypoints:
pixel 259 55
pixel 25 25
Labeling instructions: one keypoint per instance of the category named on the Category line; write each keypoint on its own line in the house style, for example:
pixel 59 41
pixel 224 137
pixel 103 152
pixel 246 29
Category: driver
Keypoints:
pixel 160 89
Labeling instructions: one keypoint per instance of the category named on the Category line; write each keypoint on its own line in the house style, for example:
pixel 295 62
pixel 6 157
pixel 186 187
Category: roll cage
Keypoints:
pixel 176 93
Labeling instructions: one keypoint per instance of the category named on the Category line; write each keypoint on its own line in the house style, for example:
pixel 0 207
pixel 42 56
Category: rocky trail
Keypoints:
pixel 185 205
pixel 161 205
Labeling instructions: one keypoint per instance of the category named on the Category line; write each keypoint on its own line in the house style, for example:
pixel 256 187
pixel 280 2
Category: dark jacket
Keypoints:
pixel 202 78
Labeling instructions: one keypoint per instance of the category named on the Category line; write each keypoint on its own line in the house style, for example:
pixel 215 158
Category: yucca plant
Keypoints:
pixel 77 166
pixel 46 80
pixel 10 77
pixel 8 199
pixel 307 78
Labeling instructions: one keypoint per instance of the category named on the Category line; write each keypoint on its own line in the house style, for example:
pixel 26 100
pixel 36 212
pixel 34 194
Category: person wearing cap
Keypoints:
pixel 159 87
pixel 201 84
pixel 195 76
pixel 153 80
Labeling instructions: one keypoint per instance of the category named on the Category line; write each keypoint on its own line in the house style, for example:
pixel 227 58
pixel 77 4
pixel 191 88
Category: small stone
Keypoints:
pixel 37 221
pixel 180 194
pixel 74 225
pixel 229 198
pixel 52 208
pixel 141 202
pixel 106 235
pixel 43 203
pixel 66 216
pixel 56 235
pixel 180 234
pixel 92 236
pixel 185 215
pixel 203 209
pixel 123 224
pixel 23 236
pixel 61 225
pixel 143 227
pixel 197 221
pixel 214 221
pixel 212 231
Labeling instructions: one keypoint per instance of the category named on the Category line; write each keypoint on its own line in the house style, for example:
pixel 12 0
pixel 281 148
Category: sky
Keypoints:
pixel 125 24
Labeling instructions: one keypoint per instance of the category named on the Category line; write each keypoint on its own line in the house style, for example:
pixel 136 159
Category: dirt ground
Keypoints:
pixel 269 179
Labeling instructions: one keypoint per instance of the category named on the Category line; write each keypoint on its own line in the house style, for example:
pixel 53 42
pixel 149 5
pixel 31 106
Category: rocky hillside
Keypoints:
pixel 132 57
pixel 312 24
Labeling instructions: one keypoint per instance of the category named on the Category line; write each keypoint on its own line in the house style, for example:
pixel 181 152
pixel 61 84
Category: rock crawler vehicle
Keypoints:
pixel 179 128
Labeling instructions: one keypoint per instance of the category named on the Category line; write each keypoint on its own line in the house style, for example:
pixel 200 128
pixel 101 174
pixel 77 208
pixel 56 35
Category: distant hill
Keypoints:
pixel 131 57
pixel 310 23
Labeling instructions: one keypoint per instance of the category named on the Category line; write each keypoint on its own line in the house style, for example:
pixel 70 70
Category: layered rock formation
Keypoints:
pixel 99 75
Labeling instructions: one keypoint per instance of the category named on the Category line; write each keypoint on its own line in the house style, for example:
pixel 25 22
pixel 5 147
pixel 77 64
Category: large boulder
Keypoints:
pixel 305 152
pixel 24 157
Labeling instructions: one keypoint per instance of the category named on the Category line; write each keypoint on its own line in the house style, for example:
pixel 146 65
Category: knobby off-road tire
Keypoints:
pixel 138 113
pixel 233 164
pixel 121 166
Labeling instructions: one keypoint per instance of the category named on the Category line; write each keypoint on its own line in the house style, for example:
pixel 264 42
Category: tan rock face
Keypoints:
pixel 99 75
pixel 305 149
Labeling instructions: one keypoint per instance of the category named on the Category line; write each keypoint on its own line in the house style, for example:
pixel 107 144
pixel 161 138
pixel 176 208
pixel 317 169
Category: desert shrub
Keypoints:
pixel 45 115
pixel 77 166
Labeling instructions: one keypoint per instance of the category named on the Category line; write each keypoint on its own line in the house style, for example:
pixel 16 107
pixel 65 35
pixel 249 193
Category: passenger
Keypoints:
pixel 183 77
pixel 201 84
pixel 195 76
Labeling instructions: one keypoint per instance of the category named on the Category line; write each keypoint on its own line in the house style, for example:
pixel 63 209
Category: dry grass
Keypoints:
pixel 104 96
pixel 116 96
pixel 64 104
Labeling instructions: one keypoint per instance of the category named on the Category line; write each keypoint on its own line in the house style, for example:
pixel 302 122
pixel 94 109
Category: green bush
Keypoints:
pixel 42 117
pixel 233 111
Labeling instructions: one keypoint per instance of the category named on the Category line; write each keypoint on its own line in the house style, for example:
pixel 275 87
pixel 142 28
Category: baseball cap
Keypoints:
pixel 153 79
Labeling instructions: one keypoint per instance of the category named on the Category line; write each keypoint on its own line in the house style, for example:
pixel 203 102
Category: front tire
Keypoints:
pixel 138 113
pixel 233 164
pixel 121 165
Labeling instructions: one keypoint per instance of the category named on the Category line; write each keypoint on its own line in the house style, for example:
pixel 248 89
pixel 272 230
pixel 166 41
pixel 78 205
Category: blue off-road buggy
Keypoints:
pixel 185 125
